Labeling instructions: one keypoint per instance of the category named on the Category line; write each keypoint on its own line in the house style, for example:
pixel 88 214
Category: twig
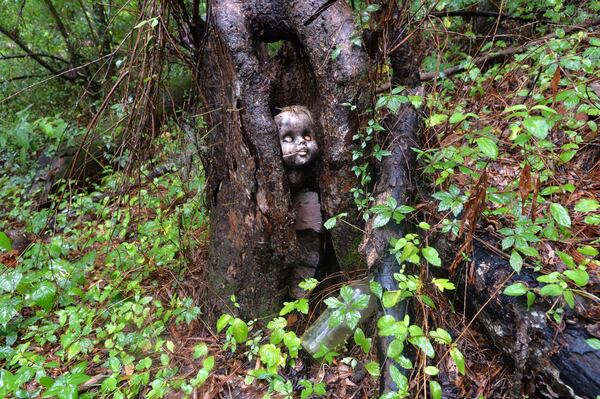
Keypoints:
pixel 475 13
pixel 13 56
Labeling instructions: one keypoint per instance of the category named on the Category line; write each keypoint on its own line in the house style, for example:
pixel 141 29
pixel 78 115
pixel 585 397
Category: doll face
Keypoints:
pixel 297 139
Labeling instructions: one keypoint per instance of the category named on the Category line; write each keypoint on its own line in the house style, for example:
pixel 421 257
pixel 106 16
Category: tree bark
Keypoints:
pixel 253 242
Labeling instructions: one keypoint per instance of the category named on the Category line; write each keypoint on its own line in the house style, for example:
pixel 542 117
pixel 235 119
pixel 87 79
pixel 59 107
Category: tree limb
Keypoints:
pixel 103 31
pixel 89 23
pixel 40 60
pixel 23 77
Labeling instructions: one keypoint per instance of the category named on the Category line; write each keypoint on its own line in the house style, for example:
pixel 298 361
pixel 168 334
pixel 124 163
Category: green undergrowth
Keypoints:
pixel 505 154
pixel 86 309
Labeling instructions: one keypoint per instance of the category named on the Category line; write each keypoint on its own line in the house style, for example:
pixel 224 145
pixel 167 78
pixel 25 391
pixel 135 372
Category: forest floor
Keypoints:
pixel 104 293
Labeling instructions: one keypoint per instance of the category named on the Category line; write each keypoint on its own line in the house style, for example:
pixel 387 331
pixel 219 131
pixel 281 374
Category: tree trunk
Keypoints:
pixel 253 243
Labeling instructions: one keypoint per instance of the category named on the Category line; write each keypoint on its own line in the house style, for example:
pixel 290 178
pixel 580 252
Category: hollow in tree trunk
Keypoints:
pixel 253 241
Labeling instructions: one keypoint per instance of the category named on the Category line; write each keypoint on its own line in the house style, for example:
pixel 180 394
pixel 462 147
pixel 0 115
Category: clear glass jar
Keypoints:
pixel 334 337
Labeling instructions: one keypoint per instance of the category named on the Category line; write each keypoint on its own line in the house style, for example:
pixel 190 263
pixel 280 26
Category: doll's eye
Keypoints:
pixel 287 139
pixel 307 138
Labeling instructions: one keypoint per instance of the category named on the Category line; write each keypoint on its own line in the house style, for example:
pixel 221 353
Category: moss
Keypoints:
pixel 349 258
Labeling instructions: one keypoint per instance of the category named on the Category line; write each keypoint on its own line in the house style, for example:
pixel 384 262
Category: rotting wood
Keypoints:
pixel 549 361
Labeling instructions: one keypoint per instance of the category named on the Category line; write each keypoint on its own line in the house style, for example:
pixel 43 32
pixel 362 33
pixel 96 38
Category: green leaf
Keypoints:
pixel 239 330
pixel 288 307
pixel 431 370
pixel 594 343
pixel 578 276
pixel 416 101
pixel 436 119
pixel 588 250
pixel 560 215
pixel 200 350
pixel 400 380
pixel 373 369
pixel 43 294
pixel 391 298
pixel 426 299
pixel 441 336
pixel 395 348
pixel 516 289
pixel 8 309
pixel 308 284
pixel 424 225
pixel 487 147
pixel 336 52
pixel 432 256
pixel 330 223
pixel 530 299
pixel 587 205
pixel 518 107
pixel 457 117
pixel 516 261
pixel 333 303
pixel 381 219
pixel 593 220
pixel 5 242
pixel 109 384
pixel 567 259
pixel 270 354
pixel 200 378
pixel 208 363
pixel 10 280
pixel 388 326
pixel 569 298
pixel 459 359
pixel 362 341
pixel 223 322
pixel 443 284
pixel 376 289
pixel 347 293
pixel 537 126
pixel 436 389
pixel 302 305
pixel 319 388
pixel 551 290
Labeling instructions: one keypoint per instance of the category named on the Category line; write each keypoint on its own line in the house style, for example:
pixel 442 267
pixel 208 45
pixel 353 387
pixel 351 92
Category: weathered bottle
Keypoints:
pixel 320 332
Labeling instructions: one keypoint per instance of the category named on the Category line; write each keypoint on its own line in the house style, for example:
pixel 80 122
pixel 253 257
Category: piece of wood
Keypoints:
pixel 308 211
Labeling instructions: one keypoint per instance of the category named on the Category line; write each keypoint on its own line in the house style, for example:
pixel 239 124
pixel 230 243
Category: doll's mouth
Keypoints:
pixel 302 153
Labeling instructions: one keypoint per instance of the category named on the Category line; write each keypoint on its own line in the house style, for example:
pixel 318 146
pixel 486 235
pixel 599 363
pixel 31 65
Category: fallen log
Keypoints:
pixel 549 361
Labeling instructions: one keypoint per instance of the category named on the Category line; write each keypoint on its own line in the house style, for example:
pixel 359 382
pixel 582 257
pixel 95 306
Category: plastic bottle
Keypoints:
pixel 334 337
